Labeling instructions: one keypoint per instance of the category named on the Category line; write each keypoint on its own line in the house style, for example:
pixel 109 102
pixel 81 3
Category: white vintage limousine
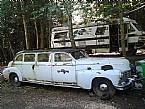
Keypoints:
pixel 70 68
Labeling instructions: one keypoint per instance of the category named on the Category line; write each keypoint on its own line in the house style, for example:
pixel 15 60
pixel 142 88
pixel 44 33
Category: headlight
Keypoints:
pixel 1 70
pixel 126 74
pixel 124 78
pixel 121 74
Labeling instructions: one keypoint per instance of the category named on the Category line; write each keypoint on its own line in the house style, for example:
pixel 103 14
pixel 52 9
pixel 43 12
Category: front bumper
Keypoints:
pixel 131 83
pixel 1 73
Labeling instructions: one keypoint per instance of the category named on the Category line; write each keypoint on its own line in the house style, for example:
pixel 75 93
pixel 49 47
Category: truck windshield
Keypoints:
pixel 79 54
pixel 138 27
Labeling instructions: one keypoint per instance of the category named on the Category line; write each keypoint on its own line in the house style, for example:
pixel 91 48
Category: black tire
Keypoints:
pixel 14 80
pixel 101 92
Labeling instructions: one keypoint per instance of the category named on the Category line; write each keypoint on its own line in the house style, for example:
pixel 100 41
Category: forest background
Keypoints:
pixel 27 24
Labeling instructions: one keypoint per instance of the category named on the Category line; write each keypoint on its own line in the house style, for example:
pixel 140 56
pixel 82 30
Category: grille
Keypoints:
pixel 126 74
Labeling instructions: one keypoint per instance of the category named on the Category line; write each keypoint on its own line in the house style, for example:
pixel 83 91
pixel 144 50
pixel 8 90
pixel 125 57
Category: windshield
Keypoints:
pixel 138 27
pixel 79 54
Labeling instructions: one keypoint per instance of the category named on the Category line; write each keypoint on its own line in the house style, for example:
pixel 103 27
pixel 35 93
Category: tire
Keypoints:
pixel 14 80
pixel 103 88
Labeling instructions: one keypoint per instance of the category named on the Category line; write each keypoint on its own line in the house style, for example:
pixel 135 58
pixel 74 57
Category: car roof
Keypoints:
pixel 50 50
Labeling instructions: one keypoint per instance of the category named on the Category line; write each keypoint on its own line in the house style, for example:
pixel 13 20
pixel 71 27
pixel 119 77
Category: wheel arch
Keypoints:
pixel 15 71
pixel 100 78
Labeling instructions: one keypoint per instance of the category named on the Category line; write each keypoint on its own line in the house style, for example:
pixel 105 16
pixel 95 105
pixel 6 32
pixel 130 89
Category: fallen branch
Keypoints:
pixel 135 9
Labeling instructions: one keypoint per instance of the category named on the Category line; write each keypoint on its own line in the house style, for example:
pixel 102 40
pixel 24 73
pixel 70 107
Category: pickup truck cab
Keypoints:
pixel 70 68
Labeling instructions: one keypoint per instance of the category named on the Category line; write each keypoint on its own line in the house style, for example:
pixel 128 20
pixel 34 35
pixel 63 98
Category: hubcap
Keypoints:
pixel 103 87
pixel 16 79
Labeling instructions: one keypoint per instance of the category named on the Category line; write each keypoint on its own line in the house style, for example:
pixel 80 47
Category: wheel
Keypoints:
pixel 14 80
pixel 103 88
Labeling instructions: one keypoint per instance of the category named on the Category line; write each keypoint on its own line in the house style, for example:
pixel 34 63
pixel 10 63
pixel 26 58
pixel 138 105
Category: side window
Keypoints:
pixel 61 35
pixel 19 58
pixel 62 57
pixel 100 30
pixel 29 57
pixel 44 57
pixel 80 32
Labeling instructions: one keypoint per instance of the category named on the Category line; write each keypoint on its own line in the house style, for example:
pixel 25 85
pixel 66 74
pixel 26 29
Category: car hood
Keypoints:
pixel 119 63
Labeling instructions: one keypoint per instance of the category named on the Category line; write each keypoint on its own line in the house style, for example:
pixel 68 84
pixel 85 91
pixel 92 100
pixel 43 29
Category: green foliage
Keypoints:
pixel 109 9
pixel 47 12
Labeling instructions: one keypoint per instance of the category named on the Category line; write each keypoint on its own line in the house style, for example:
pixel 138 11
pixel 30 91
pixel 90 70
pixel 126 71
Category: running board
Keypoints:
pixel 61 84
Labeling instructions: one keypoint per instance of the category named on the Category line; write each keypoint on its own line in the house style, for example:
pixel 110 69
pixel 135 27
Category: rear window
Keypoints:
pixel 44 57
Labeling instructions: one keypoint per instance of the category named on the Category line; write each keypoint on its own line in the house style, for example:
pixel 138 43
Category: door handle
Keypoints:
pixel 33 66
pixel 54 64
pixel 66 63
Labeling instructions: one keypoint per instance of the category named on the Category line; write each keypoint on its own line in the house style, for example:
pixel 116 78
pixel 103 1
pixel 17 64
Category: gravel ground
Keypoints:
pixel 32 96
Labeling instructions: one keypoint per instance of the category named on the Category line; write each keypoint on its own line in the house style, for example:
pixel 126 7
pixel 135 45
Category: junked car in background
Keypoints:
pixel 70 68
pixel 140 51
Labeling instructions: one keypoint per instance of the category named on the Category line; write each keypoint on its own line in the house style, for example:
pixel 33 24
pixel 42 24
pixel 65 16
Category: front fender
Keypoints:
pixel 85 78
pixel 9 70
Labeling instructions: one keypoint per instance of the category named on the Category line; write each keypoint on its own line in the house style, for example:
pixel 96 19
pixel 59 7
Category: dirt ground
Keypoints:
pixel 32 96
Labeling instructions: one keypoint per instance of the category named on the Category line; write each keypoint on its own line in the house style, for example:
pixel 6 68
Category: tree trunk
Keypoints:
pixel 71 36
pixel 3 53
pixel 49 26
pixel 10 45
pixel 37 36
pixel 122 31
pixel 41 35
pixel 49 33
pixel 24 24
pixel 25 31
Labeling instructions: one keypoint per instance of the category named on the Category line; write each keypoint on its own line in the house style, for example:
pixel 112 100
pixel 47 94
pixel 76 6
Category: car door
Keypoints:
pixel 63 68
pixel 28 66
pixel 43 67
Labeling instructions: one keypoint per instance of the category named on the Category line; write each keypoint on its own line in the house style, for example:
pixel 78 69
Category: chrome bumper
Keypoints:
pixel 131 83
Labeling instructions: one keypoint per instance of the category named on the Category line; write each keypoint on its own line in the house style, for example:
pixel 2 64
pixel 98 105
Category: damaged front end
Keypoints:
pixel 129 79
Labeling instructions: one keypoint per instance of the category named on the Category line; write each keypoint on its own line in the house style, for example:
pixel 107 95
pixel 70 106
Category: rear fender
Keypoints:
pixel 10 70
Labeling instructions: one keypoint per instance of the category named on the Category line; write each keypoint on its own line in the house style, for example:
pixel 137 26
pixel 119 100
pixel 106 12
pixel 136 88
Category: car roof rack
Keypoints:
pixel 50 50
